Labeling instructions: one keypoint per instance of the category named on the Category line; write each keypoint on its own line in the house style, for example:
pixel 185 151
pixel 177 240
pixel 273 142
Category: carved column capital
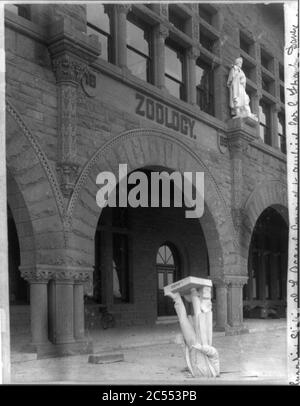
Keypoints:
pixel 162 31
pixel 71 274
pixel 36 274
pixel 193 53
pixel 236 281
pixel 123 8
pixel 69 69
pixel 220 283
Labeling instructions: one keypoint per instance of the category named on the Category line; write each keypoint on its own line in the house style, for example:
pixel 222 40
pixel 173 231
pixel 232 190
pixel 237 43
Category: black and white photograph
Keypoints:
pixel 149 195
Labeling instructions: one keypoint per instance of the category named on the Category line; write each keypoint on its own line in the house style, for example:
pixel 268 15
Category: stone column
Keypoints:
pixel 160 34
pixel 78 311
pixel 63 307
pixel 121 34
pixel 192 56
pixel 38 280
pixel 235 301
pixel 221 302
pixel 81 278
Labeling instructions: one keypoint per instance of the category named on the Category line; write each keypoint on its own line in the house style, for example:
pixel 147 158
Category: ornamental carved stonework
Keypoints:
pixel 68 69
pixel 35 275
pixel 123 8
pixel 164 10
pixel 69 72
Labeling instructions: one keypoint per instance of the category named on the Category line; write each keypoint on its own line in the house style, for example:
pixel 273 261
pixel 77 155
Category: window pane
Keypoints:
pixel 137 64
pixel 176 20
pixel 97 17
pixel 206 41
pixel 160 280
pixel 282 96
pixel 205 14
pixel 244 45
pixel 204 84
pixel 137 38
pixel 170 277
pixel 281 72
pixel 173 63
pixel 104 41
pixel 173 87
pixel 262 114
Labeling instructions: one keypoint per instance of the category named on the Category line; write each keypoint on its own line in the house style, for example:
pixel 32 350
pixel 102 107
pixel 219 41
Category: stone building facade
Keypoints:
pixel 90 87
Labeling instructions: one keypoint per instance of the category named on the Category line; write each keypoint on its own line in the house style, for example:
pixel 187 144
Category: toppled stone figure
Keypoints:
pixel 202 359
pixel 239 101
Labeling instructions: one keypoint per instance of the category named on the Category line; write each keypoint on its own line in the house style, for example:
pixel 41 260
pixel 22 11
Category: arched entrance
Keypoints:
pixel 265 293
pixel 168 271
pixel 135 258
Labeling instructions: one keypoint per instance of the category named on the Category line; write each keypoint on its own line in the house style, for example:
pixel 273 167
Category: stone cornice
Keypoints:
pixel 64 38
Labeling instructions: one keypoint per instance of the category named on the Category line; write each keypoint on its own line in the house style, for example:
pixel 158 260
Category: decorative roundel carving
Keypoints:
pixel 89 83
pixel 222 143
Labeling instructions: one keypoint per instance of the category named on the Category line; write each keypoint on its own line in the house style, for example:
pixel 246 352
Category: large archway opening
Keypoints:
pixel 139 250
pixel 265 293
pixel 18 288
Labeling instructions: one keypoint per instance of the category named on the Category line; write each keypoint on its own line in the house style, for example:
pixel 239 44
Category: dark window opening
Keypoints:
pixel 206 41
pixel 204 86
pixel 174 70
pixel 139 48
pixel 282 96
pixel 167 266
pixel 266 60
pixel 267 84
pixel 265 122
pixel 20 10
pixel 281 132
pixel 205 14
pixel 99 23
pixel 176 19
pixel 245 44
pixel 281 72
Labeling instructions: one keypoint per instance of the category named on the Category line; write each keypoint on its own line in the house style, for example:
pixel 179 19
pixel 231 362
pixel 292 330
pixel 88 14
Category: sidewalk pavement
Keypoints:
pixel 152 356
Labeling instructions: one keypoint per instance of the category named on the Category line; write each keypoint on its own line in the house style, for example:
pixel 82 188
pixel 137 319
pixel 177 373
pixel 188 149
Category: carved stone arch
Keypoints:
pixel 268 194
pixel 147 148
pixel 29 167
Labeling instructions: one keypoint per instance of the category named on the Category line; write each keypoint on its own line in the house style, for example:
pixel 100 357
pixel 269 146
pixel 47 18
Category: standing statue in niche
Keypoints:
pixel 201 357
pixel 238 98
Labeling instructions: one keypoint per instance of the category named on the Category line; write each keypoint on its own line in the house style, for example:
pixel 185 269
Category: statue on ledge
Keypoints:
pixel 238 98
